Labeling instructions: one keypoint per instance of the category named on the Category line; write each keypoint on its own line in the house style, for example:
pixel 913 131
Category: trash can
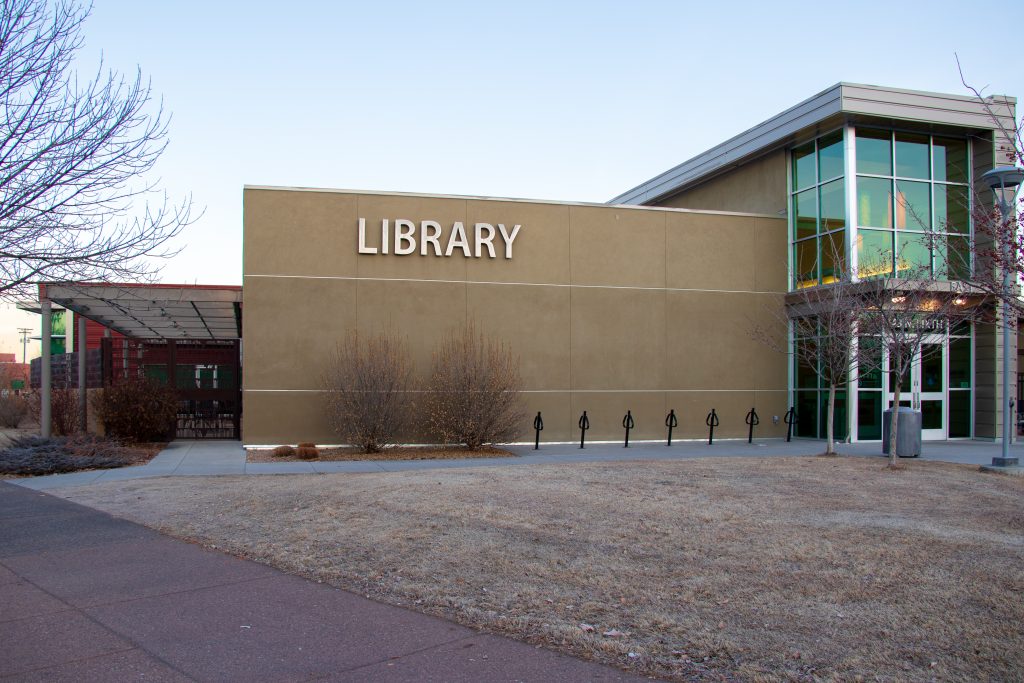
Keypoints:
pixel 908 432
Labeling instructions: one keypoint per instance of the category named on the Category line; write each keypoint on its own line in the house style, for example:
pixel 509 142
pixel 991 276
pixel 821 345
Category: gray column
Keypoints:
pixel 83 410
pixel 44 380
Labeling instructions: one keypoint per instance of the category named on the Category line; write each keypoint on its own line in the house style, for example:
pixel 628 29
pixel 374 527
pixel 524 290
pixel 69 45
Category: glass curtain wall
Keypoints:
pixel 913 204
pixel 909 204
pixel 818 207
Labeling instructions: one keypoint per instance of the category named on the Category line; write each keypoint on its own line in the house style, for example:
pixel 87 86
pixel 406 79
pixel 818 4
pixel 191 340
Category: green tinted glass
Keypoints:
pixel 874 253
pixel 869 353
pixel 960 363
pixel 912 156
pixel 949 160
pixel 807 414
pixel 959 414
pixel 874 202
pixel 830 156
pixel 894 379
pixel 833 205
pixel 805 258
pixel 952 211
pixel 913 206
pixel 804 174
pixel 869 415
pixel 806 373
pixel 952 258
pixel 874 152
pixel 833 257
pixel 913 257
pixel 805 212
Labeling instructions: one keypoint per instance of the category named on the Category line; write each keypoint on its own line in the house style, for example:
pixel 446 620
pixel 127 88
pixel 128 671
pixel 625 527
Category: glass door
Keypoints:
pixel 924 388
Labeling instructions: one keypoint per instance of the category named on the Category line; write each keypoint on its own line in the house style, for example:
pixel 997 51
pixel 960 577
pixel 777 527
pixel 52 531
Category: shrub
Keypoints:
pixel 307 452
pixel 368 383
pixel 34 455
pixel 284 451
pixel 13 410
pixel 63 410
pixel 140 409
pixel 473 391
pixel 307 444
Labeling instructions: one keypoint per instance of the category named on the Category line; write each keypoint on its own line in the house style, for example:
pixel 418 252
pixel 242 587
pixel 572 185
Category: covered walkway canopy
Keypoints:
pixel 140 311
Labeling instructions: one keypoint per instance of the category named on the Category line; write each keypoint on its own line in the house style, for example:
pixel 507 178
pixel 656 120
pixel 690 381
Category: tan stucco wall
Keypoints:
pixel 608 308
pixel 758 186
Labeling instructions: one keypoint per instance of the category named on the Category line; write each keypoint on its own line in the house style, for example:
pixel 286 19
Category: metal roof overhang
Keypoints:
pixel 158 311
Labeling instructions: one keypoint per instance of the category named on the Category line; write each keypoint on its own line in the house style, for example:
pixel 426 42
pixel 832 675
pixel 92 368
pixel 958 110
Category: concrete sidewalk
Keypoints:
pixel 88 597
pixel 206 458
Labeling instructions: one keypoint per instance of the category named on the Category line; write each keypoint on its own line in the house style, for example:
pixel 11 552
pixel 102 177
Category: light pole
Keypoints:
pixel 1004 182
pixel 24 342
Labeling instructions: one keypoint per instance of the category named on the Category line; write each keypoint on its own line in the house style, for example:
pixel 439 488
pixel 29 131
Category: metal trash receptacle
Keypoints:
pixel 908 432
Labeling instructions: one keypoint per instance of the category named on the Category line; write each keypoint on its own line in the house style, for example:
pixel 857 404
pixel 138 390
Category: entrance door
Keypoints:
pixel 924 388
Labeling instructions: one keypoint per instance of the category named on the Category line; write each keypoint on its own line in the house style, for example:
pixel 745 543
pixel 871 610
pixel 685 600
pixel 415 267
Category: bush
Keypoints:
pixel 34 455
pixel 13 410
pixel 139 410
pixel 63 410
pixel 368 383
pixel 307 452
pixel 473 391
pixel 284 452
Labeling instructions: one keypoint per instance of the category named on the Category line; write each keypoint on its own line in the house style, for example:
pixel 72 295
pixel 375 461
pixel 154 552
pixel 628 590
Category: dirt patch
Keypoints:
pixel 739 568
pixel 399 453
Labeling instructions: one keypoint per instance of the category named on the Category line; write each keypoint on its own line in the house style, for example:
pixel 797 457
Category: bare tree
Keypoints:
pixel 473 391
pixel 73 203
pixel 902 313
pixel 368 383
pixel 824 322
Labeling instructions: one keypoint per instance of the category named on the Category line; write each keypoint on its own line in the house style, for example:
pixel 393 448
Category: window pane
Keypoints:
pixel 950 160
pixel 959 363
pixel 805 212
pixel 952 213
pixel 833 205
pixel 894 379
pixel 803 166
pixel 806 374
pixel 869 374
pixel 874 152
pixel 874 202
pixel 952 258
pixel 913 206
pixel 830 156
pixel 874 253
pixel 959 414
pixel 869 415
pixel 807 414
pixel 914 258
pixel 912 155
pixel 931 368
pixel 805 259
pixel 931 414
pixel 833 256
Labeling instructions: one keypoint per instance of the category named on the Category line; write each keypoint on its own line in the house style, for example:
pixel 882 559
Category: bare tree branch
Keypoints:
pixel 74 204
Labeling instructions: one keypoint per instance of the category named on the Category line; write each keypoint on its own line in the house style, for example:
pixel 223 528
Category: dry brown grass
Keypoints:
pixel 752 569
pixel 343 454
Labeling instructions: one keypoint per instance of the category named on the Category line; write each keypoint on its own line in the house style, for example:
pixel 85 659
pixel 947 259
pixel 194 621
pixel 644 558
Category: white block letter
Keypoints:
pixel 508 238
pixel 429 232
pixel 384 236
pixel 458 239
pixel 405 237
pixel 363 249
pixel 482 228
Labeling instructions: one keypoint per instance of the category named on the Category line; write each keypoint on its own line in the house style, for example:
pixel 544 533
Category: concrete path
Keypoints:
pixel 203 458
pixel 88 597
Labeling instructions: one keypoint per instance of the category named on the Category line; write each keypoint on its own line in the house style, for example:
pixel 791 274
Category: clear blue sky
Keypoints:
pixel 552 100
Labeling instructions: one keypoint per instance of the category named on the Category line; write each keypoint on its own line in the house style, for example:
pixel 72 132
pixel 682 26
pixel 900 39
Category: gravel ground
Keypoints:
pixel 710 569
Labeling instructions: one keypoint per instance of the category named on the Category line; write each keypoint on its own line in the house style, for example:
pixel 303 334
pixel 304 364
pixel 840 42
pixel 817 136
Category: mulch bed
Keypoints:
pixel 344 454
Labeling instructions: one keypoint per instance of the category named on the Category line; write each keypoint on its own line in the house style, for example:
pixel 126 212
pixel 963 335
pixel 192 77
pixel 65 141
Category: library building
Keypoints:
pixel 647 303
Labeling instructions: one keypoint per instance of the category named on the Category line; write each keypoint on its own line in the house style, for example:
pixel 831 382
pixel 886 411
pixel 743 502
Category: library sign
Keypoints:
pixel 404 237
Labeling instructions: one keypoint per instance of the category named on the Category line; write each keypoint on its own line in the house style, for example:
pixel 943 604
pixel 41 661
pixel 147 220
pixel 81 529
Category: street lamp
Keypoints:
pixel 1005 181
